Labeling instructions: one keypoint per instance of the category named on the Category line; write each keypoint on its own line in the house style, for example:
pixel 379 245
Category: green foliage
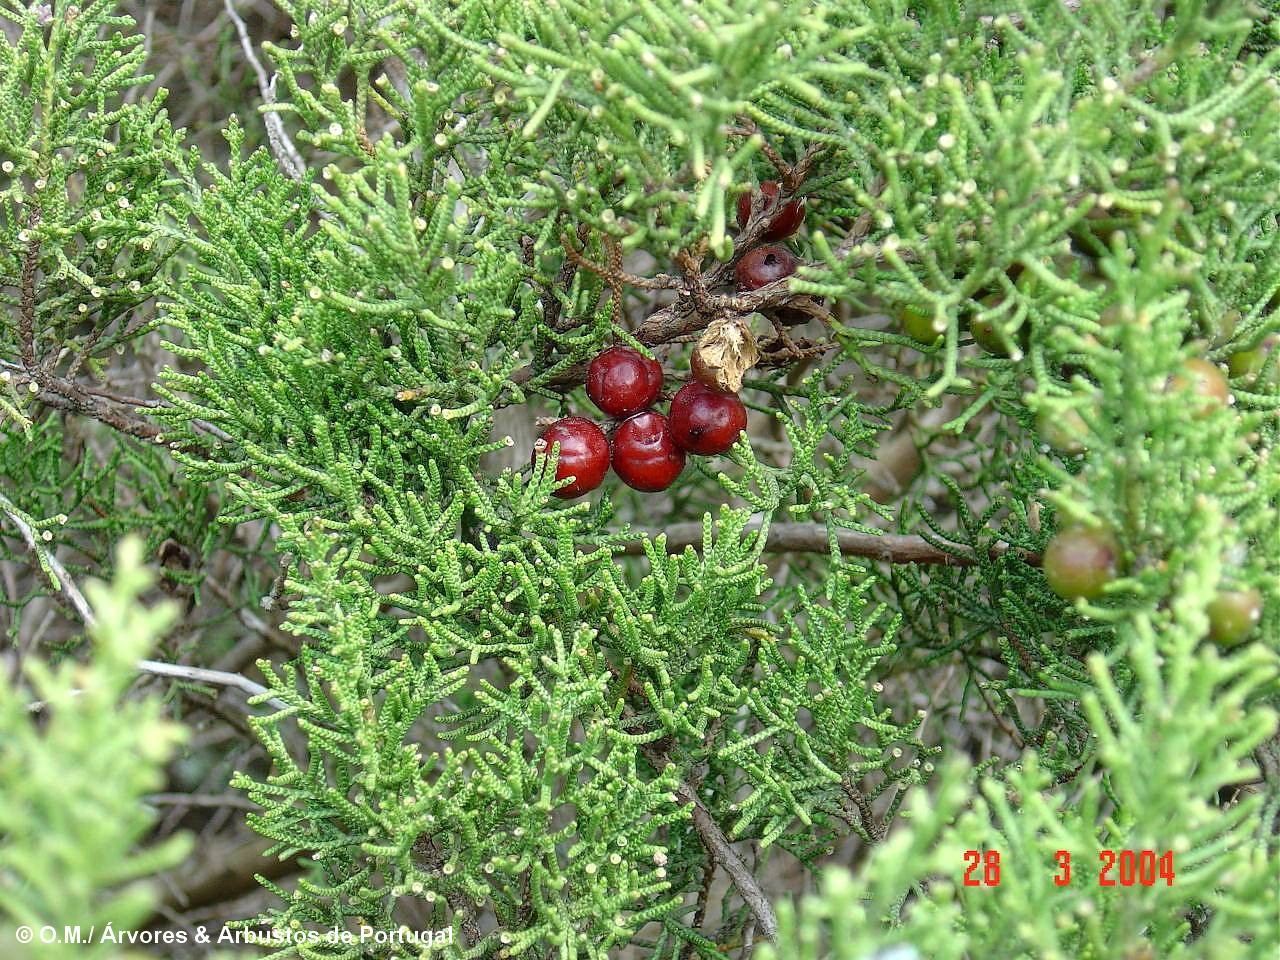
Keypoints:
pixel 502 703
pixel 75 491
pixel 83 173
pixel 76 756
pixel 1160 760
pixel 426 263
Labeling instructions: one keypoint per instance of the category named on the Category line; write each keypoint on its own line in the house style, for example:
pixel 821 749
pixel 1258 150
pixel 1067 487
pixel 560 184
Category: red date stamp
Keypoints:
pixel 1124 868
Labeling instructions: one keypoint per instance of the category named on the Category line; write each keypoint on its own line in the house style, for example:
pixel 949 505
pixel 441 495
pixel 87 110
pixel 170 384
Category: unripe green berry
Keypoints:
pixel 1247 363
pixel 988 337
pixel 1081 561
pixel 1232 615
pixel 1206 382
pixel 1064 430
pixel 920 325
pixel 984 329
pixel 1223 330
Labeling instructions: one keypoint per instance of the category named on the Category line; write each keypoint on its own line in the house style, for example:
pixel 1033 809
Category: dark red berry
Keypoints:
pixel 622 381
pixel 764 265
pixel 1081 561
pixel 706 421
pixel 645 454
pixel 584 454
pixel 785 222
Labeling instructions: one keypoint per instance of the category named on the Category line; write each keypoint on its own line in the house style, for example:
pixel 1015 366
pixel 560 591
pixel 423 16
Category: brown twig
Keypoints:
pixel 780 353
pixel 1161 57
pixel 433 859
pixel 696 306
pixel 73 398
pixel 217 801
pixel 791 177
pixel 218 678
pixel 27 298
pixel 105 406
pixel 813 538
pixel 55 391
pixel 704 824
pixel 700 910
pixel 551 304
pixel 1001 722
pixel 718 846
pixel 223 873
pixel 612 273
pixel 70 593
pixel 857 801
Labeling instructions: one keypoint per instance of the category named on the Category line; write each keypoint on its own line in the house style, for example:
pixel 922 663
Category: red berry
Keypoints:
pixel 784 223
pixel 706 421
pixel 645 454
pixel 622 381
pixel 584 454
pixel 764 265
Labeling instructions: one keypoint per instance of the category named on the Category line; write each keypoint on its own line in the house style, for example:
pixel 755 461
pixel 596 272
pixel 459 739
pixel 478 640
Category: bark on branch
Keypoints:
pixel 812 538
pixel 717 845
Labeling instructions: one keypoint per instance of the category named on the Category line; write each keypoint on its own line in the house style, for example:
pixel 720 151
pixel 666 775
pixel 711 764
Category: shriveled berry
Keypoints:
pixel 622 381
pixel 1233 614
pixel 1081 561
pixel 584 454
pixel 645 454
pixel 1206 383
pixel 701 372
pixel 764 265
pixel 785 222
pixel 706 421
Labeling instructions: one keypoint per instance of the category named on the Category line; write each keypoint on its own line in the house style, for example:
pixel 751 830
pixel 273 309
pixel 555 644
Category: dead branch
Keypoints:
pixel 281 145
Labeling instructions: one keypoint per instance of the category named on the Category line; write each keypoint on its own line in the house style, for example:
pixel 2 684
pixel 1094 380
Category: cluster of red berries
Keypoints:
pixel 648 449
pixel 768 263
